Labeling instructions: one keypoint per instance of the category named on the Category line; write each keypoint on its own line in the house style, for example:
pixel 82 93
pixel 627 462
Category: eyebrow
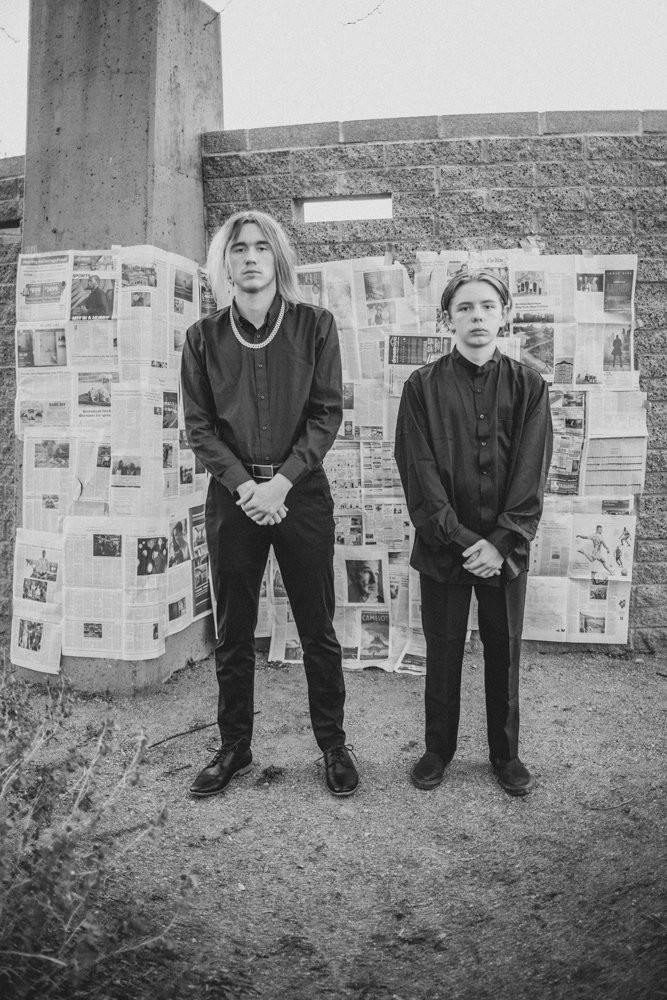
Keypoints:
pixel 467 302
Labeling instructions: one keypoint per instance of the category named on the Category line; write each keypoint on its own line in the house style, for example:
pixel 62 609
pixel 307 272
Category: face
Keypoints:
pixel 252 264
pixel 476 314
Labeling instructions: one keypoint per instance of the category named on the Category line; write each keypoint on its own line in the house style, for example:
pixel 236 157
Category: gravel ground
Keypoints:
pixel 461 892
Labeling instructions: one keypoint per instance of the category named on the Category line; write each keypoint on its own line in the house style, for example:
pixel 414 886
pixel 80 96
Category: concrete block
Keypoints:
pixel 651 174
pixel 537 150
pixel 648 604
pixel 575 122
pixel 289 136
pixel 651 303
pixel 626 147
pixel 409 178
pixel 651 341
pixel 11 211
pixel 486 225
pixel 651 199
pixel 411 203
pixel 460 201
pixel 655 388
pixel 408 154
pixel 552 198
pixel 583 222
pixel 561 174
pixel 389 129
pixel 7 313
pixel 342 157
pixel 648 640
pixel 225 189
pixel 650 244
pixel 652 551
pixel 516 123
pixel 652 365
pixel 387 229
pixel 654 121
pixel 652 269
pixel 12 166
pixel 246 164
pixel 9 255
pixel 233 141
pixel 11 188
pixel 606 198
pixel 655 482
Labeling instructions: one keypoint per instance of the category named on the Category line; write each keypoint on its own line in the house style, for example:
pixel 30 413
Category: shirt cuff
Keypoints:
pixel 465 537
pixel 504 540
pixel 293 468
pixel 233 477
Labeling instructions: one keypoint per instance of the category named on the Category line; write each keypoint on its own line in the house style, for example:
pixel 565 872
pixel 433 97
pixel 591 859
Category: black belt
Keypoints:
pixel 262 471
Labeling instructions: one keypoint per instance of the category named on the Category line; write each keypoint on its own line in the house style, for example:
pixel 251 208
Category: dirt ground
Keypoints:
pixel 395 893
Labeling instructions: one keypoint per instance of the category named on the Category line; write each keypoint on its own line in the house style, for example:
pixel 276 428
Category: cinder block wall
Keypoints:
pixel 11 213
pixel 576 181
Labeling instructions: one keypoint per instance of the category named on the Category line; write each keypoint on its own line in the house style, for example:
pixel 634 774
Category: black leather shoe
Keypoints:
pixel 428 771
pixel 228 761
pixel 340 772
pixel 513 776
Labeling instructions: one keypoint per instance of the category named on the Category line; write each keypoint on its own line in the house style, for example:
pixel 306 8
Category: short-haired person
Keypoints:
pixel 262 398
pixel 473 447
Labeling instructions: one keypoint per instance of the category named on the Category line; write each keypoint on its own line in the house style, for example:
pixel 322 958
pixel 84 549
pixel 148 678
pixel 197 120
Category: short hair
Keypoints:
pixel 217 263
pixel 464 277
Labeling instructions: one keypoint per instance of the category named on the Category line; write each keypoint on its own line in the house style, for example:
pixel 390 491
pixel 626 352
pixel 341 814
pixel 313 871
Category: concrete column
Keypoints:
pixel 119 92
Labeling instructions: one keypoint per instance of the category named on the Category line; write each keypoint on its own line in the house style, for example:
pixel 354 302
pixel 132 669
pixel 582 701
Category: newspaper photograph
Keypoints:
pixel 38 570
pixel 42 287
pixel 361 575
pixel 36 640
pixel 94 290
pixel 41 345
pixel 603 547
pixel 311 285
pixel 93 396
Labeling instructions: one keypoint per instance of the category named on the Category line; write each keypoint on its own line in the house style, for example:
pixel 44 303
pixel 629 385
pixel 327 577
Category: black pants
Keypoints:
pixel 444 618
pixel 303 544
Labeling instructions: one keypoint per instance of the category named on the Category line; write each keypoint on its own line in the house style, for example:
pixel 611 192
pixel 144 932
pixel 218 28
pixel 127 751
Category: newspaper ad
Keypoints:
pixel 42 287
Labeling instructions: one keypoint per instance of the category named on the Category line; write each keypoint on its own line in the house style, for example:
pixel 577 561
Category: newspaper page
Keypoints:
pixel 432 272
pixel 568 414
pixel 180 578
pixel 49 483
pixel 38 596
pixel 613 467
pixel 312 285
pixel 361 575
pixel 144 310
pixel 383 295
pixel 92 471
pixel 285 642
pixel 42 287
pixel 136 449
pixel 598 611
pixel 92 343
pixel 115 587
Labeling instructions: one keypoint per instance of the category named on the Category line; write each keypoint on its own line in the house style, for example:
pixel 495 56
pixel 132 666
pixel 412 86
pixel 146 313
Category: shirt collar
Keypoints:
pixel 470 366
pixel 270 318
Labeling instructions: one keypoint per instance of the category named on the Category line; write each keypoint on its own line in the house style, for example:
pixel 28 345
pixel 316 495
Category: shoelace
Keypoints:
pixel 222 751
pixel 337 753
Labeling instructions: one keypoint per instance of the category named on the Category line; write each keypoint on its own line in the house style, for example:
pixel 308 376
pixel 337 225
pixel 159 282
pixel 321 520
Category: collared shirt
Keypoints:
pixel 279 405
pixel 473 447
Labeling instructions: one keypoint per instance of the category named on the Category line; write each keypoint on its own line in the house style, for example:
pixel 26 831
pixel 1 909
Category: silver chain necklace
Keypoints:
pixel 264 343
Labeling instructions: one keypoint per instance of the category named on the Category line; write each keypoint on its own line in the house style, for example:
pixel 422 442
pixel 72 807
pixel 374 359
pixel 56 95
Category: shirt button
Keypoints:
pixel 478 390
pixel 264 427
pixel 485 473
pixel 261 397
pixel 483 444
pixel 481 416
pixel 259 364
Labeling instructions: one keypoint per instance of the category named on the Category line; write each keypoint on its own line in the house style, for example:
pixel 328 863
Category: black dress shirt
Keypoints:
pixel 473 447
pixel 279 405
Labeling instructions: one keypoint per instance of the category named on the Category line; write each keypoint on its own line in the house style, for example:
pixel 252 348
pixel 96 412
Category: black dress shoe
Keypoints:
pixel 513 776
pixel 228 761
pixel 428 771
pixel 340 772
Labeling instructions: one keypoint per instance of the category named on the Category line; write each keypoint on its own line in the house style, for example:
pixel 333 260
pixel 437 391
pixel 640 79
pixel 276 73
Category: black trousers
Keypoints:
pixel 444 618
pixel 303 544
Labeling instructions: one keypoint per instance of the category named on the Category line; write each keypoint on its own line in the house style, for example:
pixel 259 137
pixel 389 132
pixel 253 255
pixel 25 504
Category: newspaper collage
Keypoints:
pixel 112 554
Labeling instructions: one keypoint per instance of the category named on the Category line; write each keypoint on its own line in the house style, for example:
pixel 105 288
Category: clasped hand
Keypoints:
pixel 483 559
pixel 264 503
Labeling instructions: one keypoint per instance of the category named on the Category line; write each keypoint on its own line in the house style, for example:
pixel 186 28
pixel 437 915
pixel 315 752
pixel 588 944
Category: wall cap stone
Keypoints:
pixel 12 166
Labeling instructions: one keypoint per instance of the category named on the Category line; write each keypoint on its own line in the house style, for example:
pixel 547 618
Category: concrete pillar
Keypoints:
pixel 119 92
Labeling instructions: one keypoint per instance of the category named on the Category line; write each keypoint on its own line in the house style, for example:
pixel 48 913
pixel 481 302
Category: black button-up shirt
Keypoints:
pixel 279 405
pixel 473 447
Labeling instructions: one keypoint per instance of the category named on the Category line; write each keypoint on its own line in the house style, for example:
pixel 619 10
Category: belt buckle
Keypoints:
pixel 262 471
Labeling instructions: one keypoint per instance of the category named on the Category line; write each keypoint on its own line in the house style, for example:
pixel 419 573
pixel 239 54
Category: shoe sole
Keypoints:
pixel 342 795
pixel 425 786
pixel 219 791
pixel 516 792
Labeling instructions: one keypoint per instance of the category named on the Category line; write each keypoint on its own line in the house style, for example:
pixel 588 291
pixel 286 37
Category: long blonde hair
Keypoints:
pixel 217 262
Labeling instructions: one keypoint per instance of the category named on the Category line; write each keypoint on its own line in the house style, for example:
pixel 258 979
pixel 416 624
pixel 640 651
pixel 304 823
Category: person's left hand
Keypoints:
pixel 265 502
pixel 483 559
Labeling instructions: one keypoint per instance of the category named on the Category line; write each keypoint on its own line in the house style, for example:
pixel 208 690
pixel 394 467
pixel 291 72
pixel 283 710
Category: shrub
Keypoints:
pixel 55 937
